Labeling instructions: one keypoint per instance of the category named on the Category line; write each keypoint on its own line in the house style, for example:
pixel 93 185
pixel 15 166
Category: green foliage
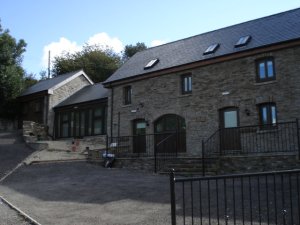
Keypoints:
pixel 29 80
pixel 99 64
pixel 130 50
pixel 43 75
pixel 11 71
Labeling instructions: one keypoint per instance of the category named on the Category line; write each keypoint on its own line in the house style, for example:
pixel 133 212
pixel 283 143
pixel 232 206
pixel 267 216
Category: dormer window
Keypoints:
pixel 243 41
pixel 211 49
pixel 152 63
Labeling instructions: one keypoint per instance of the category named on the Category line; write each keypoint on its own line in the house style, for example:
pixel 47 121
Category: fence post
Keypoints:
pixel 298 138
pixel 172 192
pixel 106 149
pixel 203 160
pixel 177 142
pixel 155 158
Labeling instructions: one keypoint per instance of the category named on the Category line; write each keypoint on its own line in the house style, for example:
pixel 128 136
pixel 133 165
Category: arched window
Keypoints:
pixel 169 123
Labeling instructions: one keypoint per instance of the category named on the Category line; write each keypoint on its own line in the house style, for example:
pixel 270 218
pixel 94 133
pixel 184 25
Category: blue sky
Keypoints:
pixel 59 25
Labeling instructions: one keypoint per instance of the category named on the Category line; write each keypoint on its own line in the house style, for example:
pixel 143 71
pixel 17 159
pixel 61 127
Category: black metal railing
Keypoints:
pixel 163 147
pixel 257 198
pixel 166 149
pixel 134 146
pixel 277 138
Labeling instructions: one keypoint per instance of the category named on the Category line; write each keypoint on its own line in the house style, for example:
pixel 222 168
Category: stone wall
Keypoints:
pixel 249 164
pixel 155 97
pixel 8 125
pixel 63 93
pixel 33 131
pixel 146 164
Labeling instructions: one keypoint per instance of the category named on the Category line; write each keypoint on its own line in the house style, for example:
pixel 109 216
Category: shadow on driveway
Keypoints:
pixel 13 150
pixel 81 193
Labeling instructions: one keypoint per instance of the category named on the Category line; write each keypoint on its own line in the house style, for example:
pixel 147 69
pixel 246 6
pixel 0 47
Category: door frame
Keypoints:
pixel 230 138
pixel 179 139
pixel 138 141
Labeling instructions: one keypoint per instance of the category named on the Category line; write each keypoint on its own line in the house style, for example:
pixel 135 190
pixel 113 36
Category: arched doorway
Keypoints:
pixel 170 133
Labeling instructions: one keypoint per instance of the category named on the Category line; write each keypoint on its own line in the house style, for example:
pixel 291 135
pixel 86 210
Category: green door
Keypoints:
pixel 139 136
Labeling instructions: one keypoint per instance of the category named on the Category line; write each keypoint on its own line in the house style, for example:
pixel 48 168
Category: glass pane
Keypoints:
pixel 77 125
pixel 159 127
pixel 65 130
pixel 230 119
pixel 190 83
pixel 274 119
pixel 264 115
pixel 98 126
pixel 140 128
pixel 262 73
pixel 170 123
pixel 65 117
pixel 90 116
pixel 270 69
pixel 185 84
pixel 141 125
pixel 98 112
pixel 82 124
pixel 72 123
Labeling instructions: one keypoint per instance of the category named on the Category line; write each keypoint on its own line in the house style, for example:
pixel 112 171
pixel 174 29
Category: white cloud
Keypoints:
pixel 103 40
pixel 58 48
pixel 157 42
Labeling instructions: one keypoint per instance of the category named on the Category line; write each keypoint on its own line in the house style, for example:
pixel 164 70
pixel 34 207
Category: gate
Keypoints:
pixel 257 198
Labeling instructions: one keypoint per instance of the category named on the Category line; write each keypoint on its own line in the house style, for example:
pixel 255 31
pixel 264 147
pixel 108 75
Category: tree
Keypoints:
pixel 11 71
pixel 29 80
pixel 43 75
pixel 130 50
pixel 99 64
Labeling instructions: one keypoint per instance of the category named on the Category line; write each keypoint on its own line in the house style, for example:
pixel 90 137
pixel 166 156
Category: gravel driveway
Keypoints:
pixel 81 193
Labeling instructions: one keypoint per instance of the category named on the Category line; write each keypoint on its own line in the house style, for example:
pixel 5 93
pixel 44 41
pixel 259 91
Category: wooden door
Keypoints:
pixel 139 136
pixel 229 133
pixel 170 134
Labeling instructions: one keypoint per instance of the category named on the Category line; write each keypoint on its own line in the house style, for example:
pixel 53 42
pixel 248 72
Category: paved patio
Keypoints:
pixel 81 193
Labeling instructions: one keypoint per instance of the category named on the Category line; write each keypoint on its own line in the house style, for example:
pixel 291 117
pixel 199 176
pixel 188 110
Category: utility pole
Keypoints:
pixel 49 65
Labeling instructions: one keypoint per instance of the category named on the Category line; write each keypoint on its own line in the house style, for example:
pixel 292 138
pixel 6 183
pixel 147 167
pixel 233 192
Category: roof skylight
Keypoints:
pixel 211 49
pixel 151 63
pixel 243 41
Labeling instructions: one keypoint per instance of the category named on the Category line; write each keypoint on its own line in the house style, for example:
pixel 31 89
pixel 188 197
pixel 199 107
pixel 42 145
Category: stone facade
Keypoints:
pixel 158 96
pixel 34 109
pixel 61 94
pixel 33 131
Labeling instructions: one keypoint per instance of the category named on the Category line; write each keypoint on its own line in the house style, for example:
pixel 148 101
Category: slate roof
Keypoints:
pixel 265 31
pixel 86 94
pixel 45 85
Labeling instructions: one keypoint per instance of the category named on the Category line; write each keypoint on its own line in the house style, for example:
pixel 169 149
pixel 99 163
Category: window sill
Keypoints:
pixel 185 95
pixel 265 82
pixel 125 106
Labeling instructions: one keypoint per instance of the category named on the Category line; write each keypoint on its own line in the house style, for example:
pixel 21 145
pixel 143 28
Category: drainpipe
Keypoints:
pixel 111 111
pixel 118 125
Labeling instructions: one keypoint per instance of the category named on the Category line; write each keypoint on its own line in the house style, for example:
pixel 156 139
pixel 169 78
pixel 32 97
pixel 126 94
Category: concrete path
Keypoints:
pixel 80 193
pixel 54 155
